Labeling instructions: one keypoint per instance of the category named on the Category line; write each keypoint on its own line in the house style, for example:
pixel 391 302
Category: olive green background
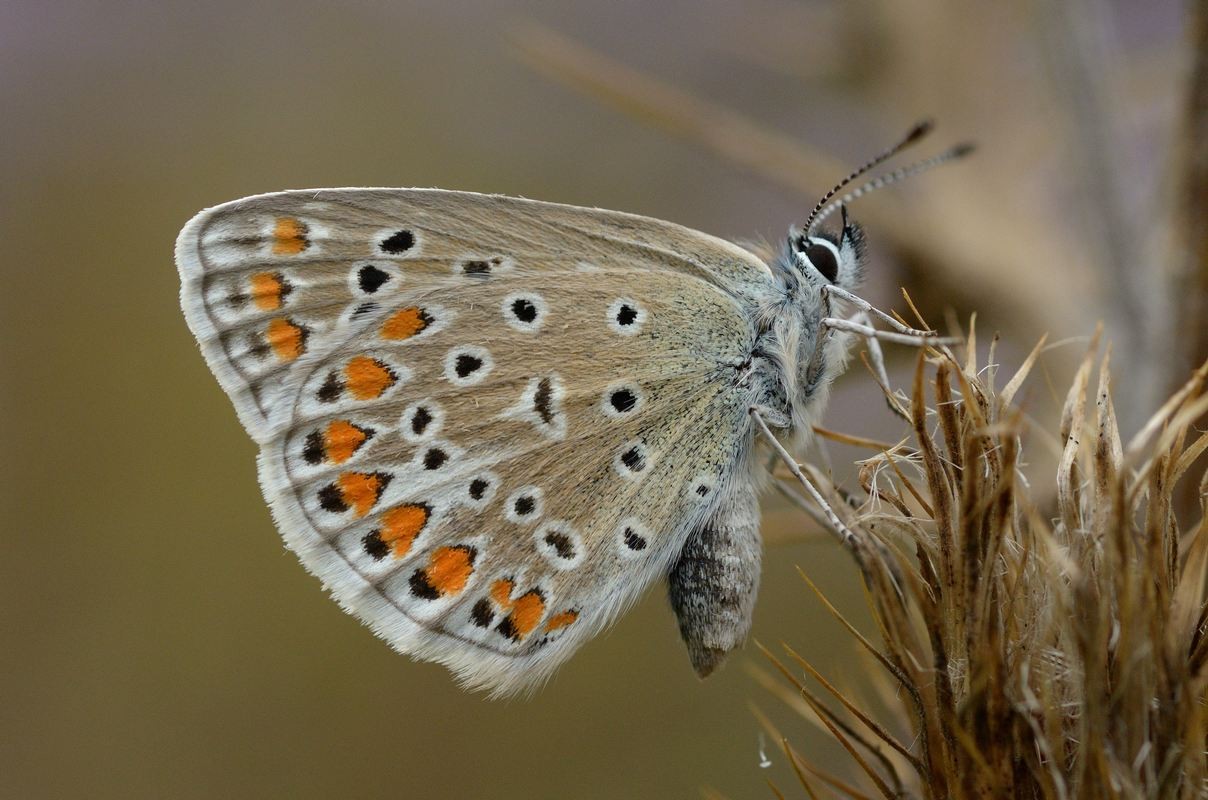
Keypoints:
pixel 156 639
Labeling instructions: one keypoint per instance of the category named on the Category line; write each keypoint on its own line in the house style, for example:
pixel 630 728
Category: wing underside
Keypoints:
pixel 486 424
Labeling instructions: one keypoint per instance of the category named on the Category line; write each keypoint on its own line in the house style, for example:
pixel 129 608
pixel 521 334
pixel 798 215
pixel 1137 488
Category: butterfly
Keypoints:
pixel 489 424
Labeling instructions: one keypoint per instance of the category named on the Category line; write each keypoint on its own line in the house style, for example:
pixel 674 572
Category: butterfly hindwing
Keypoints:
pixel 487 424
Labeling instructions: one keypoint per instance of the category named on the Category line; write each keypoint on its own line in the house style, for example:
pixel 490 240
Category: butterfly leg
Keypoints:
pixel 922 339
pixel 713 585
pixel 837 527
pixel 876 361
pixel 868 308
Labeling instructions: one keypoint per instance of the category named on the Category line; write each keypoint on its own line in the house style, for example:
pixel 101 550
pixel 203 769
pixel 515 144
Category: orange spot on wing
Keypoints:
pixel 267 290
pixel 400 526
pixel 289 237
pixel 405 323
pixel 561 620
pixel 287 339
pixel 526 613
pixel 367 378
pixel 449 568
pixel 341 440
pixel 501 593
pixel 361 490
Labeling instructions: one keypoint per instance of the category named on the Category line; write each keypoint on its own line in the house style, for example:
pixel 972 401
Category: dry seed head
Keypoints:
pixel 1056 651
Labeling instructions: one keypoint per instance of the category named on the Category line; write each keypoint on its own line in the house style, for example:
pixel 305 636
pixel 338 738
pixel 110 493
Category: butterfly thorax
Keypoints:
pixel 794 360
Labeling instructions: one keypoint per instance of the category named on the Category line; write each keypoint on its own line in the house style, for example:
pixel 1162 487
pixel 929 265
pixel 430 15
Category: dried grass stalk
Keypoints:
pixel 1029 652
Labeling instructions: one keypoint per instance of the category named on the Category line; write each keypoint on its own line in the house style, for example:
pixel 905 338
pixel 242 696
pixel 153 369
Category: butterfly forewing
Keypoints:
pixel 486 423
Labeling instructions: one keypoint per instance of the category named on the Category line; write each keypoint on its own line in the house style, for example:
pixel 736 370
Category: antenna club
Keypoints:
pixel 920 129
pixel 961 150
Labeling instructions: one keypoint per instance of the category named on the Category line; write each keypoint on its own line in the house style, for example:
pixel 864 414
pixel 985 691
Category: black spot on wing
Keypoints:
pixel 435 458
pixel 633 459
pixel 482 614
pixel 478 488
pixel 561 543
pixel 623 400
pixel 524 310
pixel 314 451
pixel 398 242
pixel 467 365
pixel 543 399
pixel 420 420
pixel 375 547
pixel 421 587
pixel 331 389
pixel 331 499
pixel 371 278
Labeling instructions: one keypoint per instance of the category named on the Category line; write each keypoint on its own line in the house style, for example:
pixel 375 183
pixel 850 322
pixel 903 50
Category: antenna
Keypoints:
pixel 919 130
pixel 910 170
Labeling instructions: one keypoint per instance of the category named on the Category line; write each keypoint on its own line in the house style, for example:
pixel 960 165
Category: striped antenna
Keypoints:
pixel 951 154
pixel 919 130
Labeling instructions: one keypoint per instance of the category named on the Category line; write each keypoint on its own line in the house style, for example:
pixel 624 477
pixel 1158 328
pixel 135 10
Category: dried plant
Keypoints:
pixel 1026 651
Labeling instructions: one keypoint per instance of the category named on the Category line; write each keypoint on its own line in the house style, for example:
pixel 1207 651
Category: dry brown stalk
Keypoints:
pixel 1033 652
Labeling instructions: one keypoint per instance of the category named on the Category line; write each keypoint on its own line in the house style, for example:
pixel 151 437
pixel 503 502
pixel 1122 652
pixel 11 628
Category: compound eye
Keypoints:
pixel 824 256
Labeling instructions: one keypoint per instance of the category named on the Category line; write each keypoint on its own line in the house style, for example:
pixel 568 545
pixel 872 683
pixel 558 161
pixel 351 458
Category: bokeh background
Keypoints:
pixel 156 640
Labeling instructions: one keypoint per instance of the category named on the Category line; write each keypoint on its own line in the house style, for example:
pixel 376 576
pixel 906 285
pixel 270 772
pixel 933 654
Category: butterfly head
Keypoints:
pixel 818 258
pixel 829 258
pixel 802 359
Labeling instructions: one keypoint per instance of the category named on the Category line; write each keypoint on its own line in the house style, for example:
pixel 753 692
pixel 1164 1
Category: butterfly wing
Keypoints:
pixel 486 423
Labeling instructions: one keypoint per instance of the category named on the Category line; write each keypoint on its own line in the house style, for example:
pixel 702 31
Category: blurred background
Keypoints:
pixel 156 639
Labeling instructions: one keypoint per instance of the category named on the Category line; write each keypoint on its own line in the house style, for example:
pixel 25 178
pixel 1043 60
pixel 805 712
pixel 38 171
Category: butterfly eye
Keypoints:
pixel 824 256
